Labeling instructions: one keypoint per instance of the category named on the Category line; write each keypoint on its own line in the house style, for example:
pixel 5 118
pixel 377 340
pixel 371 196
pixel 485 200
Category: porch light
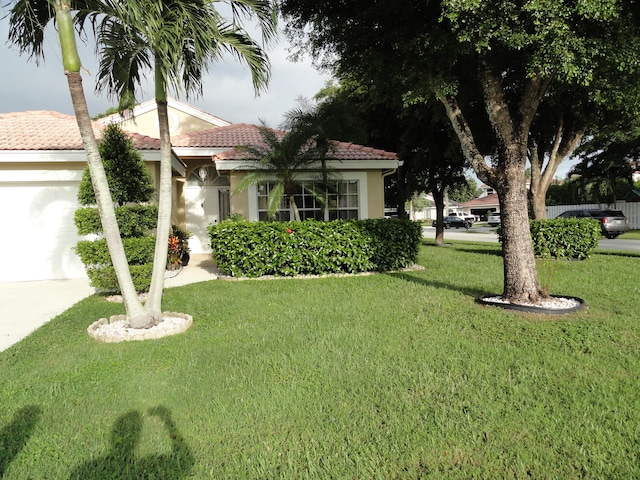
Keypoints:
pixel 202 173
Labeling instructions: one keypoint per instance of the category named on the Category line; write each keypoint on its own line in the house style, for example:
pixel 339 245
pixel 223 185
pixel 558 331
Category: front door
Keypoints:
pixel 207 203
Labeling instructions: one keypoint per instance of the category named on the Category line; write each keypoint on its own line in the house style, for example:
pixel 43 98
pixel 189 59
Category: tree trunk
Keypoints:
pixel 71 63
pixel 508 176
pixel 294 205
pixel 564 143
pixel 154 302
pixel 520 274
pixel 438 199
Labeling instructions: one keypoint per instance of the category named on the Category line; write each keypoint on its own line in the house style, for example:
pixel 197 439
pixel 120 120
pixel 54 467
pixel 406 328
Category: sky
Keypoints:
pixel 228 91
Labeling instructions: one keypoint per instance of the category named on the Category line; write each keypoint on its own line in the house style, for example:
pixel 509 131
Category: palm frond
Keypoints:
pixel 27 22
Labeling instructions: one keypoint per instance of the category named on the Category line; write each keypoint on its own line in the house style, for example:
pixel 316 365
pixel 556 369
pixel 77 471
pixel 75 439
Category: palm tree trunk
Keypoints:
pixel 71 63
pixel 154 302
pixel 294 206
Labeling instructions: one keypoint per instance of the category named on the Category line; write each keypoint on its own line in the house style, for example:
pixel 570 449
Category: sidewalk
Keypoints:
pixel 25 306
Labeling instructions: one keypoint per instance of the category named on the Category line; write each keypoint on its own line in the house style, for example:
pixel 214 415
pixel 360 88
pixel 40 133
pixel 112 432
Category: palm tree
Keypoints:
pixel 27 22
pixel 322 122
pixel 178 40
pixel 284 157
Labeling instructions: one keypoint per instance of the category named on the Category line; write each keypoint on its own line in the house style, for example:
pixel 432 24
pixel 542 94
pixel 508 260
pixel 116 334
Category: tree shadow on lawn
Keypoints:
pixel 430 282
pixel 470 248
pixel 15 435
pixel 121 461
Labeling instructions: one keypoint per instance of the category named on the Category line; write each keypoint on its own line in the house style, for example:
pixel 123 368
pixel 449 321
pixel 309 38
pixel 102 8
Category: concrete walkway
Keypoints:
pixel 26 306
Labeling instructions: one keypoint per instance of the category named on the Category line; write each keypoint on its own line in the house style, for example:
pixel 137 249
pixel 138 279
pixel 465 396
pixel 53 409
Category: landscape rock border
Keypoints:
pixel 559 305
pixel 116 329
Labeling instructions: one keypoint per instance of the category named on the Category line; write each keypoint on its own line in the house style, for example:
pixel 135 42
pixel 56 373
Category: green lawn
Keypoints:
pixel 632 235
pixel 389 376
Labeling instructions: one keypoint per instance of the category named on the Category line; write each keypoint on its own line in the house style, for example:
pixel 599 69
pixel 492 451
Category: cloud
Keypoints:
pixel 228 91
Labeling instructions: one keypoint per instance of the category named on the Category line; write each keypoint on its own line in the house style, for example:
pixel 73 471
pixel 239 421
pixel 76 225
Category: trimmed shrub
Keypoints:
pixel 254 249
pixel 139 251
pixel 565 237
pixel 128 177
pixel 133 220
pixel 104 278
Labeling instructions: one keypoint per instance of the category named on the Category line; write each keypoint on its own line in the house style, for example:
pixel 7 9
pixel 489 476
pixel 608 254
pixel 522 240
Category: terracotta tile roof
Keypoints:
pixel 246 134
pixel 221 137
pixel 44 130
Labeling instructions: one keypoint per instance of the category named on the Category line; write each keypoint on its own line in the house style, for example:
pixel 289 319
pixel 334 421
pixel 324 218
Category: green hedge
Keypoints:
pixel 95 256
pixel 104 278
pixel 138 250
pixel 563 237
pixel 254 249
pixel 133 220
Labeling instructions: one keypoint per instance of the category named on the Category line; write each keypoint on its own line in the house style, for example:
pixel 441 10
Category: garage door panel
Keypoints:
pixel 40 230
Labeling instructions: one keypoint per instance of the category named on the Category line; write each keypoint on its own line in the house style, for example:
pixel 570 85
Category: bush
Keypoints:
pixel 139 251
pixel 133 220
pixel 563 237
pixel 128 177
pixel 104 278
pixel 254 249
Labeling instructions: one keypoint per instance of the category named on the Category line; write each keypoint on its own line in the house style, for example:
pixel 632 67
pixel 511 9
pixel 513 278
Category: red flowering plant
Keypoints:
pixel 178 252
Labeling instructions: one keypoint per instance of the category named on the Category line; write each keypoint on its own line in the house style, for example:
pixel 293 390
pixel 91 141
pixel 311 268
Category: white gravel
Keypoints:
pixel 117 328
pixel 558 303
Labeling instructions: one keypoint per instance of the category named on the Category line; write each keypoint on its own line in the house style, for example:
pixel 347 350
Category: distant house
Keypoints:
pixel 480 206
pixel 42 160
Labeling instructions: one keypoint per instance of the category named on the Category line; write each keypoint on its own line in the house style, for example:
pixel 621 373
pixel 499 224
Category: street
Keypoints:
pixel 488 234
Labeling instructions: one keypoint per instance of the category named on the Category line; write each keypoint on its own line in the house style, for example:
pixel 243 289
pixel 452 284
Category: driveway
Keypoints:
pixel 25 306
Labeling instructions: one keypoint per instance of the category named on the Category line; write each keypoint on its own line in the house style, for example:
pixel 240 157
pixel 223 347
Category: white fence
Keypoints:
pixel 631 210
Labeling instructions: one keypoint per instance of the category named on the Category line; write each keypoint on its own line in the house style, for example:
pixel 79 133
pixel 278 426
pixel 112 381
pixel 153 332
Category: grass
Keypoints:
pixel 631 235
pixel 384 376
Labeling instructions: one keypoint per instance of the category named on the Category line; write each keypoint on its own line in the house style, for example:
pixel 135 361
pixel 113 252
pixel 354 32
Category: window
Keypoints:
pixel 342 201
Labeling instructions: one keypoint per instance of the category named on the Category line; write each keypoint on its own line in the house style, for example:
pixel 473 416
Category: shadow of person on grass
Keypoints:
pixel 122 463
pixel 15 435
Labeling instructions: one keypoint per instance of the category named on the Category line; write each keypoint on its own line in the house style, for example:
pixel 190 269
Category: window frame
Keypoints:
pixel 362 197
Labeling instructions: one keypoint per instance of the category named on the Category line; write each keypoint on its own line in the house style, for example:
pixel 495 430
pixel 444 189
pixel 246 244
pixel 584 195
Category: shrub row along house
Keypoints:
pixel 42 160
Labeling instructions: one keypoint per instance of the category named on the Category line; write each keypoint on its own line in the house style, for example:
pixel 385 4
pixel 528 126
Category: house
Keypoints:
pixel 42 160
pixel 480 206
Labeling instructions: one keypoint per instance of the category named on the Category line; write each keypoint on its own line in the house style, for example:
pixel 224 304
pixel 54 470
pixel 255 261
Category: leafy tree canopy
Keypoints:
pixel 128 177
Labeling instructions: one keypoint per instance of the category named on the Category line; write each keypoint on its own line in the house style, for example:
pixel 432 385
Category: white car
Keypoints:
pixel 494 219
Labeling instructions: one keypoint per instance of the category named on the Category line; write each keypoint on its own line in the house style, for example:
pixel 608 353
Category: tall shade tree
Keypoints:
pixel 27 23
pixel 178 40
pixel 514 53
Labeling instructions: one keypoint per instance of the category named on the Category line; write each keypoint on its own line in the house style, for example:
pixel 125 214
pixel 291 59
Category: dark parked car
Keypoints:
pixel 455 222
pixel 612 222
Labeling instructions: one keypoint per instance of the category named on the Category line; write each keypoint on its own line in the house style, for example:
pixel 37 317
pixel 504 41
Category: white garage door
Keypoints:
pixel 39 235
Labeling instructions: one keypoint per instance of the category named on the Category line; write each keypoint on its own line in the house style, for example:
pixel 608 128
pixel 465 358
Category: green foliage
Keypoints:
pixel 563 237
pixel 464 191
pixel 284 157
pixel 105 280
pixel 95 256
pixel 255 249
pixel 133 220
pixel 128 177
pixel 139 250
